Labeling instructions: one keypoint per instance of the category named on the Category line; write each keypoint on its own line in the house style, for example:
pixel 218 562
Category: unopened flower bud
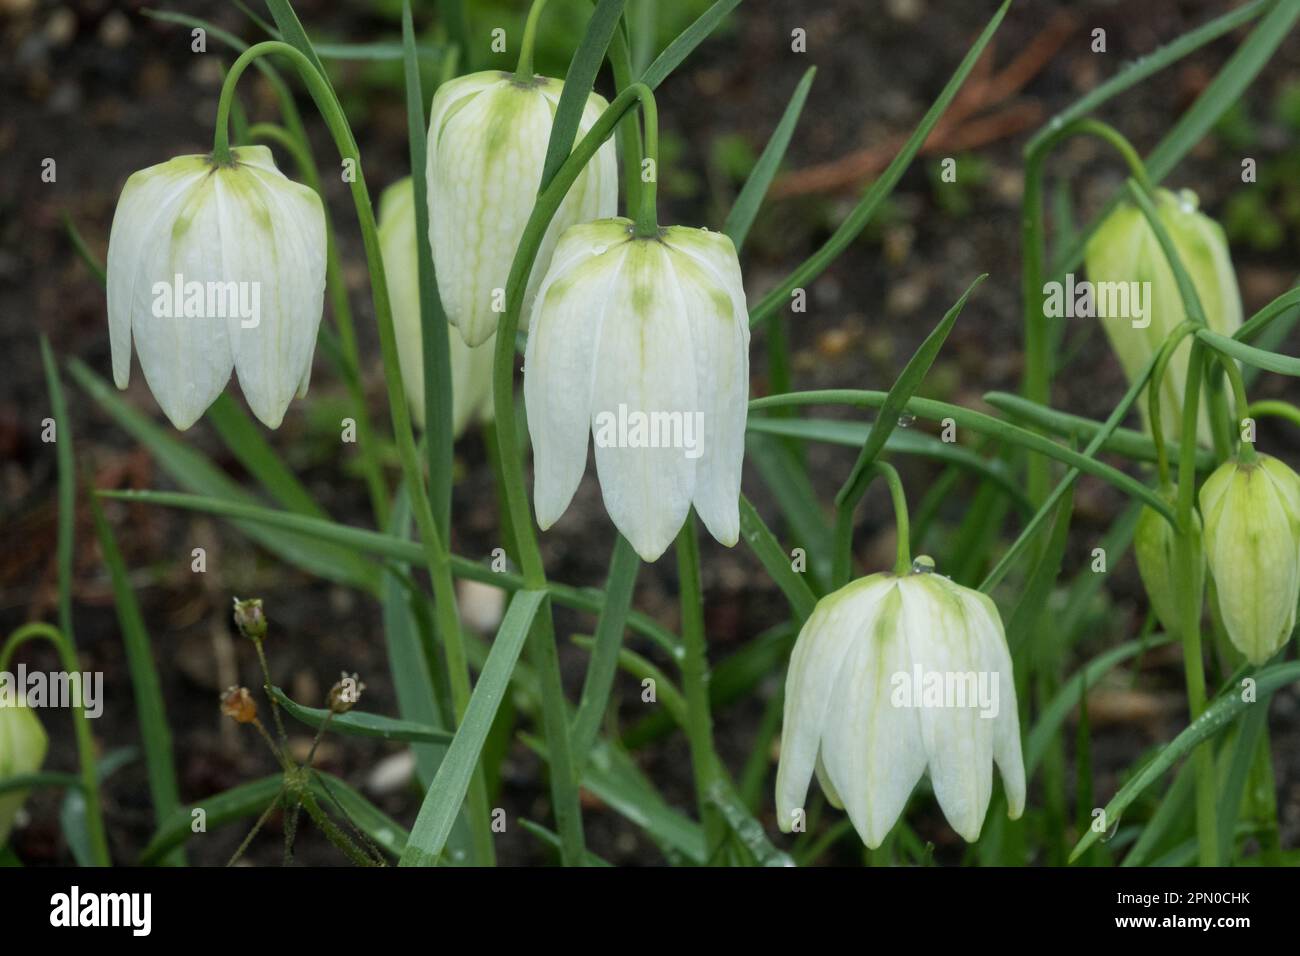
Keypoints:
pixel 471 368
pixel 1154 546
pixel 238 704
pixel 1252 544
pixel 1124 249
pixel 22 751
pixel 250 619
pixel 488 135
pixel 344 695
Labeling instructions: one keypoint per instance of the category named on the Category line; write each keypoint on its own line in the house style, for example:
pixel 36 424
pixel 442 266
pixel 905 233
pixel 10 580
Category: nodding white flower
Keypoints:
pixel 1252 544
pixel 893 675
pixel 1124 249
pixel 1154 544
pixel 213 268
pixel 22 751
pixel 471 368
pixel 487 145
pixel 645 342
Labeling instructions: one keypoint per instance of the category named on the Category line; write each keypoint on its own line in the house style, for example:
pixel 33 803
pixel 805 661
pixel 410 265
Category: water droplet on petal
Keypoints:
pixel 923 564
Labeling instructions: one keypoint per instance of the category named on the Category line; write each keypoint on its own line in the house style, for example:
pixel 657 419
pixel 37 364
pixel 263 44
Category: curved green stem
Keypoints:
pixel 435 548
pixel 524 71
pixel 85 744
pixel 1240 403
pixel 1278 409
pixel 842 561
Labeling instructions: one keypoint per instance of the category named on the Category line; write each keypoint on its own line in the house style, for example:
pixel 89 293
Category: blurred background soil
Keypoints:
pixel 104 91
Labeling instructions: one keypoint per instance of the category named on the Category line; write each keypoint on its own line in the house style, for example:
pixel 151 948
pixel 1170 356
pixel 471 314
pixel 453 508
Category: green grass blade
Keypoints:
pixel 686 42
pixel 784 475
pixel 624 566
pixel 1213 719
pixel 238 803
pixel 193 471
pixel 150 711
pixel 578 82
pixel 249 446
pixel 879 190
pixel 1248 354
pixel 83 251
pixel 443 800
pixel 438 436
pixel 750 199
pixel 359 723
pixel 341 797
pixel 1244 747
pixel 908 381
pixel 854 435
pixel 67 491
pixel 746 829
pixel 775 561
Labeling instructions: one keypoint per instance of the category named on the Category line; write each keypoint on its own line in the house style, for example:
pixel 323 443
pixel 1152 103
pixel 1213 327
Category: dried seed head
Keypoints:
pixel 238 704
pixel 344 694
pixel 250 619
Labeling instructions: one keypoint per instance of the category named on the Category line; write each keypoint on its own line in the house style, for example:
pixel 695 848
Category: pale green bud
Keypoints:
pixel 488 135
pixel 213 268
pixel 1252 545
pixel 22 751
pixel 471 368
pixel 1155 546
pixel 1125 249
pixel 644 343
pixel 893 676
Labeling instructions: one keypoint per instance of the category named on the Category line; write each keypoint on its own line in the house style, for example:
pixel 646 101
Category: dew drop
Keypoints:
pixel 906 419
pixel 923 564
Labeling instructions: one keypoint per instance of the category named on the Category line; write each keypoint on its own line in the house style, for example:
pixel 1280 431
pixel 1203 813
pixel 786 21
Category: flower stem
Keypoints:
pixel 1241 404
pixel 435 548
pixel 85 744
pixel 524 70
pixel 1187 558
pixel 695 684
pixel 647 223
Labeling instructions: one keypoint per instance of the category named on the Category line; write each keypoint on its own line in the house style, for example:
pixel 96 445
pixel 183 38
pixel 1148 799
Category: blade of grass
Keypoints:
pixel 750 199
pixel 879 190
pixel 443 800
pixel 775 561
pixel 67 493
pixel 151 713
pixel 1215 718
pixel 360 723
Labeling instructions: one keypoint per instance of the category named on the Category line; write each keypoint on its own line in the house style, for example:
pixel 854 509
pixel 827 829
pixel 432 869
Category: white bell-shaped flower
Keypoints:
pixel 487 145
pixel 891 676
pixel 471 368
pixel 643 342
pixel 213 267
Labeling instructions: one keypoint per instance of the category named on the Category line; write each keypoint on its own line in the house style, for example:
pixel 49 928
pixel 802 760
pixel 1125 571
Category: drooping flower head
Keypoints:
pixel 1124 249
pixel 214 267
pixel 488 134
pixel 1251 512
pixel 471 368
pixel 1154 546
pixel 893 676
pixel 644 343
